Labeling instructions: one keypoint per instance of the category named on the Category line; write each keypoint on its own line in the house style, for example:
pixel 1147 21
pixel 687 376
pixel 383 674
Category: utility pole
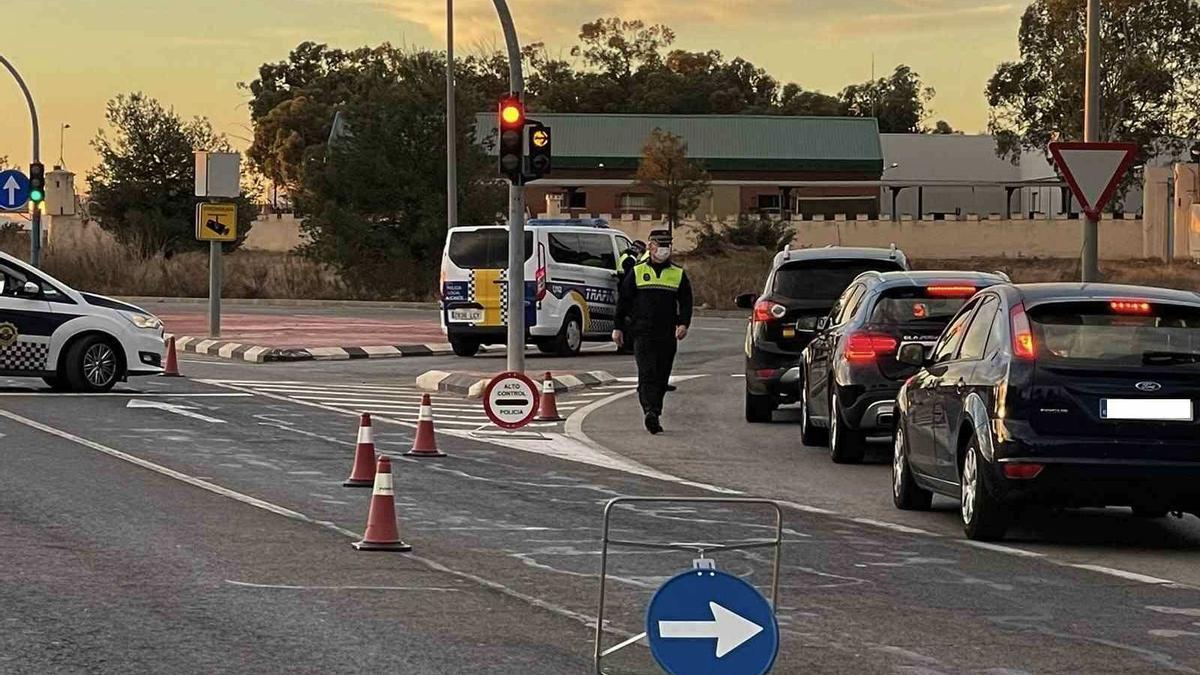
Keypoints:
pixel 516 210
pixel 451 134
pixel 1090 265
pixel 35 216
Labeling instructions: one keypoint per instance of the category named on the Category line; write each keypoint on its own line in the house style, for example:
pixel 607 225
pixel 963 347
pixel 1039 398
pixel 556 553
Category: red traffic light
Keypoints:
pixel 512 112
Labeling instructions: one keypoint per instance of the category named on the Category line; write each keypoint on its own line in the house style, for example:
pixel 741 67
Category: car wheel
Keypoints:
pixel 569 340
pixel 906 494
pixel 463 347
pixel 984 518
pixel 810 435
pixel 759 408
pixel 1149 513
pixel 846 445
pixel 93 365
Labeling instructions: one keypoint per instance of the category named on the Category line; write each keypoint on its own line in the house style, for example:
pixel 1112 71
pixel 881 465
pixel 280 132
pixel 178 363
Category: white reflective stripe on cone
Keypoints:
pixel 426 414
pixel 366 435
pixel 548 387
pixel 383 485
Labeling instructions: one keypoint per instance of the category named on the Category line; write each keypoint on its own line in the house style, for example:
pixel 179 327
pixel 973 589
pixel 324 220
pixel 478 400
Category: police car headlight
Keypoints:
pixel 144 321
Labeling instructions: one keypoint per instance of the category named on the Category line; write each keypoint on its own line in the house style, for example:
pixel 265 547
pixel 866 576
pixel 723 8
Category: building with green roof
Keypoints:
pixel 755 162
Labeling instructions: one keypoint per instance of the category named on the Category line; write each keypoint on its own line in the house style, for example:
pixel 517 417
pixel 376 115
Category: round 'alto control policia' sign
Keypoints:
pixel 510 400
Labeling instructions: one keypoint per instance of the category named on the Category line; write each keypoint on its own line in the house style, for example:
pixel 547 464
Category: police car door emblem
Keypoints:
pixel 8 335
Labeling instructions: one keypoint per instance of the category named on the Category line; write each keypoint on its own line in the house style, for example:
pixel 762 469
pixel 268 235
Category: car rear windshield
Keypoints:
pixel 823 279
pixel 1118 333
pixel 485 249
pixel 914 305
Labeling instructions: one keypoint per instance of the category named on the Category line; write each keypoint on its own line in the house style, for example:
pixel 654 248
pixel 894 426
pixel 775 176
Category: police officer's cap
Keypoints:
pixel 638 245
pixel 661 237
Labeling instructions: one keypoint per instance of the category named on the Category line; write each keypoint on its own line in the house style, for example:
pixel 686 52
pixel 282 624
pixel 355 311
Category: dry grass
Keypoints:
pixel 90 259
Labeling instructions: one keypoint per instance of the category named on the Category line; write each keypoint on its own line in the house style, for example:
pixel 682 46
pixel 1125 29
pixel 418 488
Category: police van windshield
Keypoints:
pixel 483 249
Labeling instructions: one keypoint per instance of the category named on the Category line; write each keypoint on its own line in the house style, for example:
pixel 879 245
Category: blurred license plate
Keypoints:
pixel 468 315
pixel 1165 410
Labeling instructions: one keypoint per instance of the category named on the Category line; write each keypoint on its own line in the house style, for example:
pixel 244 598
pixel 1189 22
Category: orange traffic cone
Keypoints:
pixel 548 411
pixel 425 444
pixel 382 532
pixel 363 473
pixel 172 367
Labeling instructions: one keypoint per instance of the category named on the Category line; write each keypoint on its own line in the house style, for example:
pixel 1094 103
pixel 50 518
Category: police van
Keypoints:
pixel 570 284
pixel 73 341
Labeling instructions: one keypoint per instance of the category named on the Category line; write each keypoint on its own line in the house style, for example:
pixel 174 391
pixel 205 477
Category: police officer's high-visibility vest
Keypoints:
pixel 621 261
pixel 669 279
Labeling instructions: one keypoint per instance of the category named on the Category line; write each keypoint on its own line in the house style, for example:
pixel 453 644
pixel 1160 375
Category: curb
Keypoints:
pixel 261 354
pixel 472 385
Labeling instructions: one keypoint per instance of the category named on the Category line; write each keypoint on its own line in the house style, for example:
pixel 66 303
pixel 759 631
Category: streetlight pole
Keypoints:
pixel 35 217
pixel 516 210
pixel 1090 265
pixel 62 140
pixel 451 134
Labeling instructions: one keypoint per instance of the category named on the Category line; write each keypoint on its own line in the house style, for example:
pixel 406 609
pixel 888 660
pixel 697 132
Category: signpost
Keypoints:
pixel 218 174
pixel 1093 171
pixel 511 400
pixel 707 621
pixel 14 190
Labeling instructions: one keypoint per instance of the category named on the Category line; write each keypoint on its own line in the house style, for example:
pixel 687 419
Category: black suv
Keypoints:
pixel 1065 395
pixel 801 287
pixel 850 372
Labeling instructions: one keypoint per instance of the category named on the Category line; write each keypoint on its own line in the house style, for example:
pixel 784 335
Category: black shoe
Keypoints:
pixel 671 387
pixel 652 424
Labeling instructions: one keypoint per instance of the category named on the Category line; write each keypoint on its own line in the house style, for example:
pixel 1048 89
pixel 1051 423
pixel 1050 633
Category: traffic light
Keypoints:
pixel 37 182
pixel 512 127
pixel 538 150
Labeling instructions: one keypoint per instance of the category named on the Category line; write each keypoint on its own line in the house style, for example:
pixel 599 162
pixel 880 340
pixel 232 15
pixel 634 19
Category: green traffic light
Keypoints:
pixel 37 196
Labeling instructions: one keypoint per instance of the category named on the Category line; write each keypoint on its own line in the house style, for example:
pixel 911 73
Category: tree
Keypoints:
pixel 676 182
pixel 898 101
pixel 374 202
pixel 796 101
pixel 141 191
pixel 1150 77
pixel 943 127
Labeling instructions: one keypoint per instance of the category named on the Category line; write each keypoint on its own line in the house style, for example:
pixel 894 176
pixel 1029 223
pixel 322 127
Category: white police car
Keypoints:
pixel 73 341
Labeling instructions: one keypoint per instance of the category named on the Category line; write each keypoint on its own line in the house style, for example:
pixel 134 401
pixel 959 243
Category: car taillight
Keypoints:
pixel 1022 471
pixel 1138 307
pixel 1022 335
pixel 865 347
pixel 950 291
pixel 766 311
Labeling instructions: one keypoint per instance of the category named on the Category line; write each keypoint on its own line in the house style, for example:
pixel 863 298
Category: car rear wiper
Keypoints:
pixel 1167 358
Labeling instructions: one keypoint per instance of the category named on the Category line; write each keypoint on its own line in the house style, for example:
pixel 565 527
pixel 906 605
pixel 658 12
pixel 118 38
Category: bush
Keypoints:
pixel 748 232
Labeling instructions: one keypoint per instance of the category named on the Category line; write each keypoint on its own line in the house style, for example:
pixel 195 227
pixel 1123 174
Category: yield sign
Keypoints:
pixel 1093 170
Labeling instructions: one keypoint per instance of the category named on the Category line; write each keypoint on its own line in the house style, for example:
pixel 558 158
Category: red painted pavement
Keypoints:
pixel 307 330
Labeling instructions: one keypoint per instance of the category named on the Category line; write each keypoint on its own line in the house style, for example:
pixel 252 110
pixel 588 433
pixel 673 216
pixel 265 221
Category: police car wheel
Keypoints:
pixel 93 364
pixel 569 340
pixel 56 383
pixel 464 347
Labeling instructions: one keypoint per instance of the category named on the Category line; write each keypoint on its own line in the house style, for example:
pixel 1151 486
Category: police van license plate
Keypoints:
pixel 466 315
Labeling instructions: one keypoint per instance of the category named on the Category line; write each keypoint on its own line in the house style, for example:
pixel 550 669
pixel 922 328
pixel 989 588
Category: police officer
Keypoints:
pixel 655 308
pixel 630 257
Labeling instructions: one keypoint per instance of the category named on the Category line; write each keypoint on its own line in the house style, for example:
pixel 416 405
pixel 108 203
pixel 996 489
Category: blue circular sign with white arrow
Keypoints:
pixel 708 622
pixel 14 189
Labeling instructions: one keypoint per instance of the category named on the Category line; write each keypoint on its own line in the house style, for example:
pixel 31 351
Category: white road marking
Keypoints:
pixel 286 587
pixel 213 362
pixel 1123 574
pixel 122 394
pixel 173 408
pixel 895 527
pixel 584 619
pixel 742 375
pixel 1000 548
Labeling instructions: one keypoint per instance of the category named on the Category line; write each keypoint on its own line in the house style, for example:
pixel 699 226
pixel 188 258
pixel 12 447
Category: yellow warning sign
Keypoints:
pixel 216 222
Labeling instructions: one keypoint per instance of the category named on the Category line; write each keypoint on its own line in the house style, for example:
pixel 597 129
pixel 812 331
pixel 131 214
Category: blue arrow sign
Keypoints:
pixel 707 621
pixel 14 189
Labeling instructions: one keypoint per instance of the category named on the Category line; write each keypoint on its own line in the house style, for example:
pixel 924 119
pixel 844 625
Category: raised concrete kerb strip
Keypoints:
pixel 263 354
pixel 472 385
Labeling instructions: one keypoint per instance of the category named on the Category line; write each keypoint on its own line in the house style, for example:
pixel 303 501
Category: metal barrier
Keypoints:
pixel 701 548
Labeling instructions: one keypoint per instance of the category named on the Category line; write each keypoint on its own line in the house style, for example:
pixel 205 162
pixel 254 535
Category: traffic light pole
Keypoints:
pixel 451 133
pixel 1090 264
pixel 516 211
pixel 35 219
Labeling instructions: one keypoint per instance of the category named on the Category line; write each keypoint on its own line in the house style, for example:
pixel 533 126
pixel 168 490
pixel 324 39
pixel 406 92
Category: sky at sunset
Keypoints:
pixel 191 55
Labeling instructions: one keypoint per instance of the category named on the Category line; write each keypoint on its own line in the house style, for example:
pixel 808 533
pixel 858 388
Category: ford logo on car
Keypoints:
pixel 1148 386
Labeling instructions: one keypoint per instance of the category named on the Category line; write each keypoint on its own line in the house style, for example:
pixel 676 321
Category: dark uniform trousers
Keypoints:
pixel 655 357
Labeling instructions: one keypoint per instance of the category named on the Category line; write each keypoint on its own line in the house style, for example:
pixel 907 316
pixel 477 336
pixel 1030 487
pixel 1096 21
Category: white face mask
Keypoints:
pixel 661 254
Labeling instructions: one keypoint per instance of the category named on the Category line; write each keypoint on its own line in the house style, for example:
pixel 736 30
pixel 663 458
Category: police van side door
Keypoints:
pixel 26 323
